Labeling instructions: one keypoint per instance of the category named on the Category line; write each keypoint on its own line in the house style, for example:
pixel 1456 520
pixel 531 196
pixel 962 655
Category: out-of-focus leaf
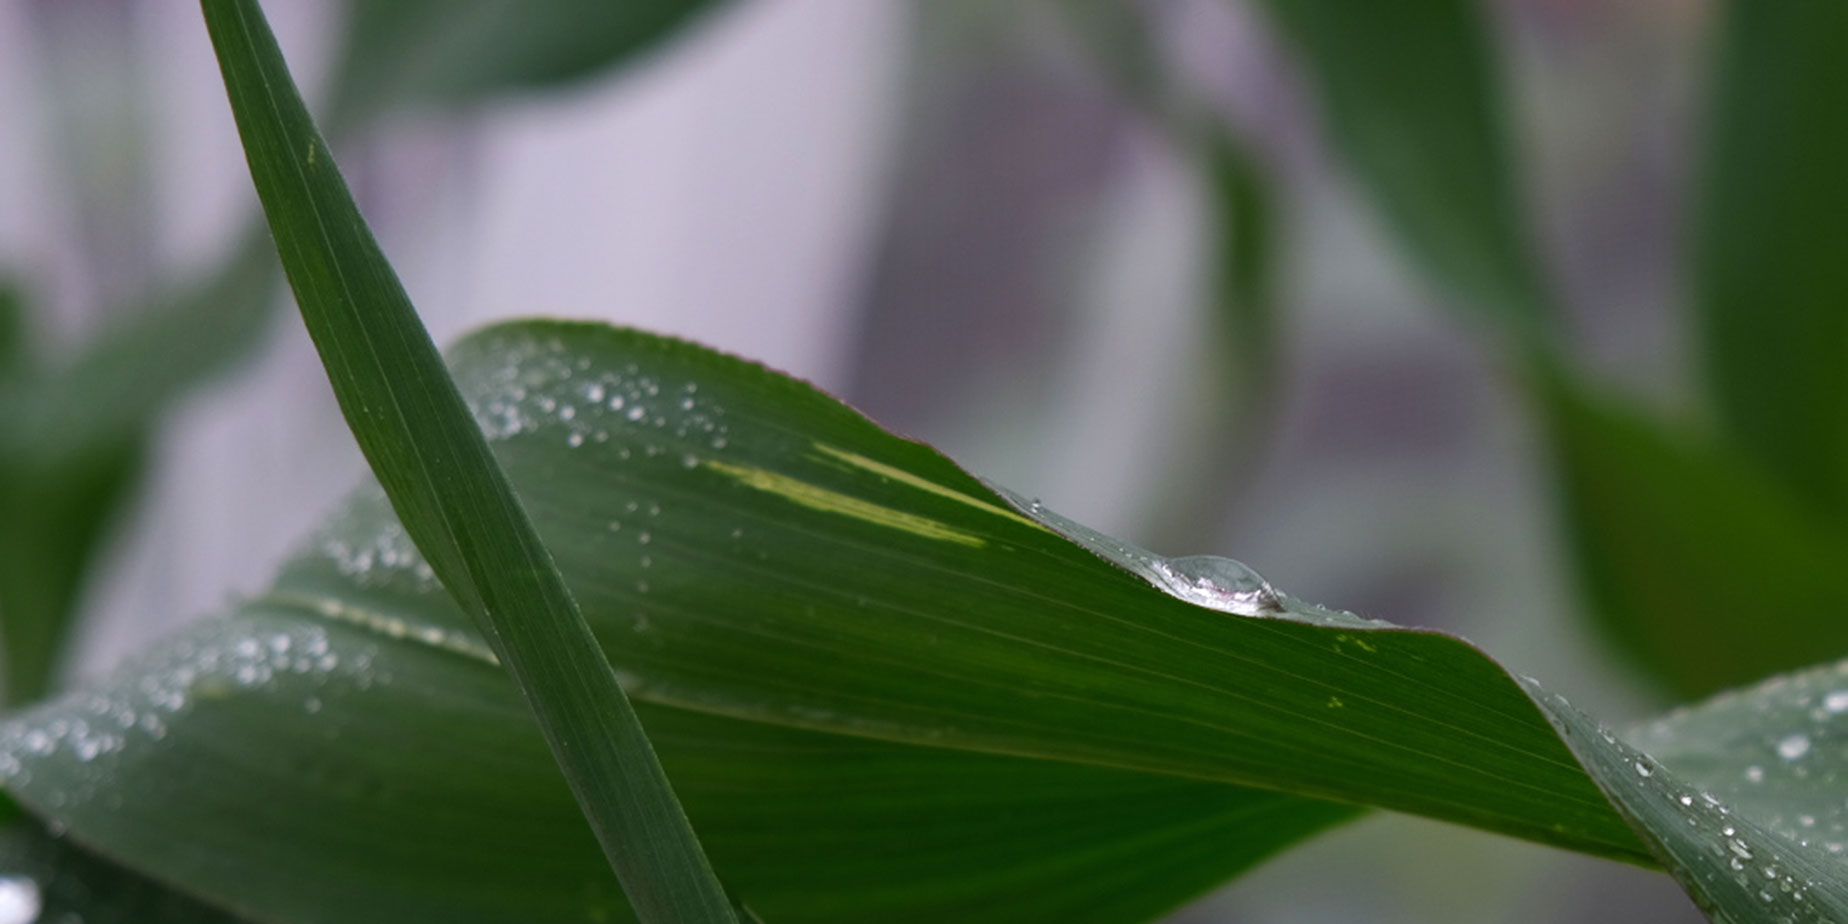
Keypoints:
pixel 12 331
pixel 427 451
pixel 1235 388
pixel 755 554
pixel 1410 98
pixel 451 51
pixel 1663 525
pixel 1230 393
pixel 52 521
pixel 119 383
pixel 45 878
pixel 73 437
pixel 1770 280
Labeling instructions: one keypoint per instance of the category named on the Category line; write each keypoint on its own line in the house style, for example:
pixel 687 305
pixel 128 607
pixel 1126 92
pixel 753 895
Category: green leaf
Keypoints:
pixel 119 384
pixel 443 51
pixel 1663 525
pixel 73 440
pixel 54 516
pixel 44 877
pixel 12 331
pixel 1410 98
pixel 1777 752
pixel 1768 276
pixel 418 437
pixel 373 765
pixel 841 639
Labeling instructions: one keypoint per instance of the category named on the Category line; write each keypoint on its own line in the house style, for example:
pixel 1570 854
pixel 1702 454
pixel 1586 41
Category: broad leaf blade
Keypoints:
pixel 1769 279
pixel 1662 525
pixel 357 757
pixel 1410 96
pixel 753 552
pixel 894 595
pixel 417 435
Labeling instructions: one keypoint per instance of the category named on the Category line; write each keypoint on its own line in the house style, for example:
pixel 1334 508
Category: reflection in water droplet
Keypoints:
pixel 19 900
pixel 1219 583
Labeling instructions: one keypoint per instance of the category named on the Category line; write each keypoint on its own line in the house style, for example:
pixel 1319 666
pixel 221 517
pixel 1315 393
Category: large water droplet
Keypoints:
pixel 1223 584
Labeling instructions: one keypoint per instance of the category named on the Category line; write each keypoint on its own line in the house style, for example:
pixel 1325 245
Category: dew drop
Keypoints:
pixel 1836 702
pixel 1218 583
pixel 20 900
pixel 575 440
pixel 1793 747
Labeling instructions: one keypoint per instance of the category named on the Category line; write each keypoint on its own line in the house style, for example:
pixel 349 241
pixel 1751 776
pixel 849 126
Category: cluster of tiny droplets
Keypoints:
pixel 385 556
pixel 142 699
pixel 1720 850
pixel 1786 760
pixel 542 387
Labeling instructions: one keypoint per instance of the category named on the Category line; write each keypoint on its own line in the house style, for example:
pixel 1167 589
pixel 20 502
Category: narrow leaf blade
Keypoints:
pixel 752 552
pixel 417 435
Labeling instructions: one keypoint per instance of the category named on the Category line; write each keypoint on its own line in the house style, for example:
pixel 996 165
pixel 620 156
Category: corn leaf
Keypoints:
pixel 830 627
pixel 427 452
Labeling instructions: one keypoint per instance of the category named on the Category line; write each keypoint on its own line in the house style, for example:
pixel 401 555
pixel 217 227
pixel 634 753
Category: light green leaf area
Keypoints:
pixel 882 690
